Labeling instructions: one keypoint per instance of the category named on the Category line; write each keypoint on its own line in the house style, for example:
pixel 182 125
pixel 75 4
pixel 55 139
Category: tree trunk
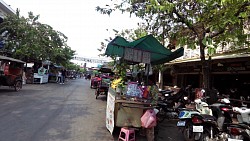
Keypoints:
pixel 160 79
pixel 205 67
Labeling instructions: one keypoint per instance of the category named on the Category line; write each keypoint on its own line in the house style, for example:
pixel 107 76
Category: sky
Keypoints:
pixel 78 20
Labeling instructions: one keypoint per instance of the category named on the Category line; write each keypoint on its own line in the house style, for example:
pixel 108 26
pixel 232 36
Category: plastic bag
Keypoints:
pixel 148 120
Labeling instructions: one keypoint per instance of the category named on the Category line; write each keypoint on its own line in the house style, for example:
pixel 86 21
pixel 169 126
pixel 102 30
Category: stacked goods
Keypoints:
pixel 116 83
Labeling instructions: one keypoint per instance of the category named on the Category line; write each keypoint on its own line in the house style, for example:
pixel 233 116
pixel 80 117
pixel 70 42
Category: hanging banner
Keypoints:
pixel 136 55
pixel 128 54
pixel 146 57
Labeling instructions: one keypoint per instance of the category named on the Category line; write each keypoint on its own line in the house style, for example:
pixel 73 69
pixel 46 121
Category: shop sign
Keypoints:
pixel 110 113
pixel 197 70
pixel 236 68
pixel 136 55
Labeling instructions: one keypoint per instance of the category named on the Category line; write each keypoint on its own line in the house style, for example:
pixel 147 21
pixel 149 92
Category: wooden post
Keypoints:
pixel 150 134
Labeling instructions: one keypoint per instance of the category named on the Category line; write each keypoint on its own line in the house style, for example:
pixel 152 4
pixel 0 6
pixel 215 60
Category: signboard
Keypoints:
pixel 136 55
pixel 146 57
pixel 134 90
pixel 128 54
pixel 110 112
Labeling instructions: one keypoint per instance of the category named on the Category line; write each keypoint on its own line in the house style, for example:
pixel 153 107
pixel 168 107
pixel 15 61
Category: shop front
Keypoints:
pixel 227 72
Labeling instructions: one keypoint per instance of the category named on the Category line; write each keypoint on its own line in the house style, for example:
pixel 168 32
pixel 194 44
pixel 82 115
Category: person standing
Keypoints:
pixel 63 75
pixel 59 77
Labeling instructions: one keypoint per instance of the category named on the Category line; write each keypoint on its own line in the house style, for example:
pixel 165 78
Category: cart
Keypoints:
pixel 125 113
pixel 102 86
pixel 11 72
pixel 94 82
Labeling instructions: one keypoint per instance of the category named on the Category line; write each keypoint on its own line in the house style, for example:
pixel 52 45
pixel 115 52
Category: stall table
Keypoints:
pixel 40 78
pixel 124 113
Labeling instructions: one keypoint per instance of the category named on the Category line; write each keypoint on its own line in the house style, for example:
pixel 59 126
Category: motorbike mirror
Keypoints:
pixel 156 110
pixel 203 91
pixel 225 100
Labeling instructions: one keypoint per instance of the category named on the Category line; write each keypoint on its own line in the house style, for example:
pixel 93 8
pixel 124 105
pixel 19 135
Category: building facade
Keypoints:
pixel 5 10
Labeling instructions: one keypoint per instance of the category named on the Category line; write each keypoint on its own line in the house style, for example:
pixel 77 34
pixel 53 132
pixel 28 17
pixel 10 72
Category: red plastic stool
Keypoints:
pixel 127 134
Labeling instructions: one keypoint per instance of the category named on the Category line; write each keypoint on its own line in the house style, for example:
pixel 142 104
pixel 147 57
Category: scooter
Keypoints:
pixel 88 77
pixel 168 108
pixel 165 94
pixel 185 124
pixel 208 127
pixel 240 131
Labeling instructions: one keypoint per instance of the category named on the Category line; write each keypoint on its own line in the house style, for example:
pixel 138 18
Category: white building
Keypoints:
pixel 5 10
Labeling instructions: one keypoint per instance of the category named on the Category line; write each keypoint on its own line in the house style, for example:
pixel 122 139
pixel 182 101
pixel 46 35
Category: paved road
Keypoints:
pixel 53 112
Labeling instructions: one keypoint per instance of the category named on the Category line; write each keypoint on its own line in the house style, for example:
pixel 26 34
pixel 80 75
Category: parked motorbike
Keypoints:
pixel 88 77
pixel 241 130
pixel 185 124
pixel 213 127
pixel 238 132
pixel 165 94
pixel 168 107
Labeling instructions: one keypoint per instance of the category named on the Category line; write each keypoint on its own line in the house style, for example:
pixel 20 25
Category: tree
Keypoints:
pixel 28 39
pixel 72 66
pixel 203 24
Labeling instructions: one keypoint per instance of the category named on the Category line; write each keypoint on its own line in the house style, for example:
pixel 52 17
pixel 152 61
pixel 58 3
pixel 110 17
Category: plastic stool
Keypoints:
pixel 127 134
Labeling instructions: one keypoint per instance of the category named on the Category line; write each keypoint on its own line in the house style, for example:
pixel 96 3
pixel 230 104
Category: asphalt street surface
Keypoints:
pixel 54 112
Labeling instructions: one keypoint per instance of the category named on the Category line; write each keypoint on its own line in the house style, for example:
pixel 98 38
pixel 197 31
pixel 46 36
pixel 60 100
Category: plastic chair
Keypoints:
pixel 127 134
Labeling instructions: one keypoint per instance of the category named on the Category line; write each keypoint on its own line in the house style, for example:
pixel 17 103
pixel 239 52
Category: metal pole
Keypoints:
pixel 147 69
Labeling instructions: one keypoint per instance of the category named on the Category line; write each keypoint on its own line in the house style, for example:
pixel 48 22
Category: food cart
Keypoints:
pixel 125 110
pixel 42 75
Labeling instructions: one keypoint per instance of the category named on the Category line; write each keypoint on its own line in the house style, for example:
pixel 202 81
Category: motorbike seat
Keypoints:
pixel 187 109
pixel 208 117
pixel 166 91
pixel 239 125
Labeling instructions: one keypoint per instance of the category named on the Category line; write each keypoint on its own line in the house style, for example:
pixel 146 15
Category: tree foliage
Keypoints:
pixel 128 34
pixel 203 24
pixel 28 39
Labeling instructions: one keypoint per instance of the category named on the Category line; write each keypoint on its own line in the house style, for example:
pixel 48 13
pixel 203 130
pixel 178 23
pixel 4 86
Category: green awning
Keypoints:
pixel 158 53
pixel 116 47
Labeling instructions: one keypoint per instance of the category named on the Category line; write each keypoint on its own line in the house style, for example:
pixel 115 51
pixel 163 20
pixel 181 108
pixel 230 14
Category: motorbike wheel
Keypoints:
pixel 205 136
pixel 160 116
pixel 188 132
pixel 18 85
pixel 96 94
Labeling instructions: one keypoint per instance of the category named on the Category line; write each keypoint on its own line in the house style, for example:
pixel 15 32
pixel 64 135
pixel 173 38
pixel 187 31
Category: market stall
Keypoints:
pixel 42 75
pixel 53 72
pixel 126 107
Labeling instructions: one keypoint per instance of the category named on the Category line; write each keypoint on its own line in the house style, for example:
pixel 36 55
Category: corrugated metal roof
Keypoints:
pixel 10 59
pixel 213 58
